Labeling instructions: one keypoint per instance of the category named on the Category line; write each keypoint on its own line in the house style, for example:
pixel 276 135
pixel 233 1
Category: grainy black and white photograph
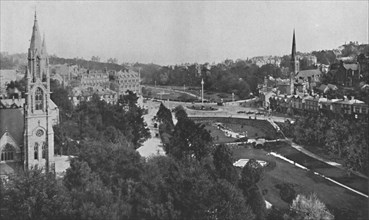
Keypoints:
pixel 184 110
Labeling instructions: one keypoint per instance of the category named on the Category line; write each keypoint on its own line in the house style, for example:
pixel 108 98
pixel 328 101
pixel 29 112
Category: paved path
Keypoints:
pixel 153 145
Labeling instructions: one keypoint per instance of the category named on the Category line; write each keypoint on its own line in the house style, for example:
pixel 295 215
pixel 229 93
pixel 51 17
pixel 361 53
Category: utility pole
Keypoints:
pixel 202 91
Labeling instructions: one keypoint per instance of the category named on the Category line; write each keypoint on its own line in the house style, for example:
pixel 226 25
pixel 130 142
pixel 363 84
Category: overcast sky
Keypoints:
pixel 165 32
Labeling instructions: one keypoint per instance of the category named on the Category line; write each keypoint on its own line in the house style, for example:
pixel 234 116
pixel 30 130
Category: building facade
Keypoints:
pixel 79 95
pixel 94 79
pixel 127 80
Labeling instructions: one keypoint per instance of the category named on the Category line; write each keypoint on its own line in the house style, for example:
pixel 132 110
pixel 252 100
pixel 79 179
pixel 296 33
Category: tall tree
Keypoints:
pixel 223 162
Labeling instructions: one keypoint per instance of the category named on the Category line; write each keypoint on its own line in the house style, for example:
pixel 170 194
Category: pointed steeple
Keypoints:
pixel 293 54
pixel 44 51
pixel 36 38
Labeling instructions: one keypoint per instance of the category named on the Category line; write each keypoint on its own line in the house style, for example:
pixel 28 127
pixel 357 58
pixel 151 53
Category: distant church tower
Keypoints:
pixel 38 132
pixel 295 65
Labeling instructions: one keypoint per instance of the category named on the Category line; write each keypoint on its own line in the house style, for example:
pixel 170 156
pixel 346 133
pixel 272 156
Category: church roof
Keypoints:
pixel 12 120
pixel 308 73
pixel 9 168
pixel 12 103
pixel 52 105
pixel 353 66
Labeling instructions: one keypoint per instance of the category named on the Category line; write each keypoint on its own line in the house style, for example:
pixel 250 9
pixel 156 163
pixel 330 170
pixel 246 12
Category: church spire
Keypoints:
pixel 295 65
pixel 36 38
pixel 293 54
pixel 44 45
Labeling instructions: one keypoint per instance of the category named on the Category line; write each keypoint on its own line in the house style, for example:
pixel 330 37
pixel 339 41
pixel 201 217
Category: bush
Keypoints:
pixel 310 207
pixel 286 191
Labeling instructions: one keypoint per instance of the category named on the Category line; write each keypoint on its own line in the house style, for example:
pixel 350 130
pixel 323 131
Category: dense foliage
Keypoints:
pixel 343 139
pixel 110 180
pixel 97 120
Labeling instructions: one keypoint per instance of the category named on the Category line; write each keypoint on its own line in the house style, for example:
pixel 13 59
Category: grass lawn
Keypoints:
pixel 217 96
pixel 262 128
pixel 168 94
pixel 335 197
pixel 208 95
pixel 218 136
pixel 353 181
pixel 252 132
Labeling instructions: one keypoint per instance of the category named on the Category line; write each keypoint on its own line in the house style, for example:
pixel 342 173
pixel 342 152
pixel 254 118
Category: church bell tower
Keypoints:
pixel 38 132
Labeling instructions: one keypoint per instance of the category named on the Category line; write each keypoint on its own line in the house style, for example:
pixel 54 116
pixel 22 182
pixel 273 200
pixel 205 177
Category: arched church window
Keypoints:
pixel 39 99
pixel 44 150
pixel 36 151
pixel 7 153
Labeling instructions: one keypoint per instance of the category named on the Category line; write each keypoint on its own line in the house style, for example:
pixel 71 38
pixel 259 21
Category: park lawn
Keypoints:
pixel 252 132
pixel 218 136
pixel 217 96
pixel 169 94
pixel 353 181
pixel 335 197
pixel 262 127
pixel 208 95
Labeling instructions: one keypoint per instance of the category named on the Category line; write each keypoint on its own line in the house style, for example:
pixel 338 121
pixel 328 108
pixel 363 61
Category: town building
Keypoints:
pixel 94 79
pixel 263 60
pixel 127 80
pixel 26 132
pixel 85 94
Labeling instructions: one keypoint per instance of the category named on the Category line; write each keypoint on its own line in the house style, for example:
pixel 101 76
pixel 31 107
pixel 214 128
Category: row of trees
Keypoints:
pixel 341 138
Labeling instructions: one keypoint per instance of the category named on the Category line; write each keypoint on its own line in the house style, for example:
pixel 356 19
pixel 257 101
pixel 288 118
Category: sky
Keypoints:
pixel 168 33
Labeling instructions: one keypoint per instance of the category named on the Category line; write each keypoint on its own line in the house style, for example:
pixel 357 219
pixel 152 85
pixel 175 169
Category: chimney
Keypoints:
pixel 352 98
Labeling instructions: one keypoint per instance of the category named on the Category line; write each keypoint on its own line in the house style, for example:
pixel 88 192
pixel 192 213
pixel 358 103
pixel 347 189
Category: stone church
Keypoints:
pixel 26 124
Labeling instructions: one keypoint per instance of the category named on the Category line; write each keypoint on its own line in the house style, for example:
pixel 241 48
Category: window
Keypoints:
pixel 36 151
pixel 39 99
pixel 7 153
pixel 44 150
